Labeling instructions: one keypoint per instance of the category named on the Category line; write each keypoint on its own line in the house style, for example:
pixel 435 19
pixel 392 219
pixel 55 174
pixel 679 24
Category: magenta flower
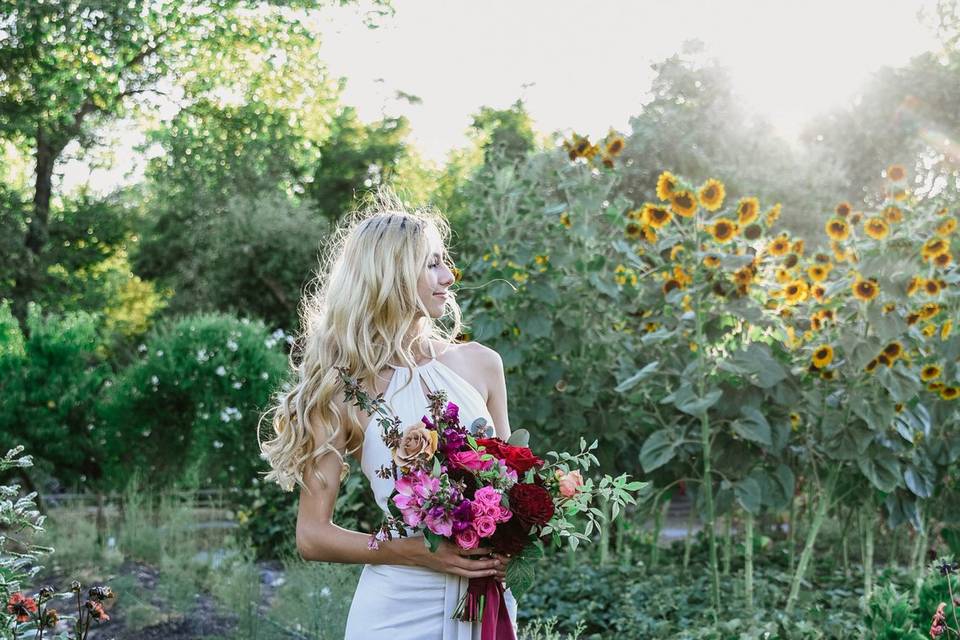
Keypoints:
pixel 451 413
pixel 469 460
pixel 439 521
pixel 468 539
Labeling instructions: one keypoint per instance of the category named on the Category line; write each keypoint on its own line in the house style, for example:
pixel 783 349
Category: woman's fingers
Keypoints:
pixel 479 551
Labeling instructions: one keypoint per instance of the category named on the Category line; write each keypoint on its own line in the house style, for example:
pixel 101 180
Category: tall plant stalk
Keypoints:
pixel 823 504
pixel 728 543
pixel 869 520
pixel 748 558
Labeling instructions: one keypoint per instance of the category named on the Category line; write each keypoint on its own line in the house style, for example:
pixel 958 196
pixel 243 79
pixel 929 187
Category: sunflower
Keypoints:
pixel 670 285
pixel 753 231
pixel 893 350
pixel 929 310
pixel 915 283
pixel 828 375
pixel 819 292
pixel 711 261
pixel 893 214
pixel 723 230
pixel 943 259
pixel 950 393
pixel 838 229
pixel 865 289
pixel 884 360
pixel 890 307
pixel 711 194
pixel 946 329
pixel 772 215
pixel 822 356
pixel 818 272
pixel 930 372
pixel 675 251
pixel 856 217
pixel 615 144
pixel 743 276
pixel 877 228
pixel 913 318
pixel 896 172
pixel 931 287
pixel 898 407
pixel 666 183
pixel 798 246
pixel 900 195
pixel 934 247
pixel 839 253
pixel 747 210
pixel 633 230
pixel 935 386
pixel 683 203
pixel 795 420
pixel 791 261
pixel 796 291
pixel 655 215
pixel 822 258
pixel 871 366
pixel 780 246
pixel 565 219
pixel 783 276
pixel 649 234
pixel 947 227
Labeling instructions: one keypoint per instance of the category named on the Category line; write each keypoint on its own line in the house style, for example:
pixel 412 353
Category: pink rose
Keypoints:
pixel 468 539
pixel 570 483
pixel 485 526
pixel 504 515
pixel 487 495
pixel 491 511
pixel 469 460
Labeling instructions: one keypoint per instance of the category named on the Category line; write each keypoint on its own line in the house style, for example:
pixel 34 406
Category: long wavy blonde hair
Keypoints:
pixel 363 305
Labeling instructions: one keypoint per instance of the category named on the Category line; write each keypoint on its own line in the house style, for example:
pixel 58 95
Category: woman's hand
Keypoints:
pixel 449 558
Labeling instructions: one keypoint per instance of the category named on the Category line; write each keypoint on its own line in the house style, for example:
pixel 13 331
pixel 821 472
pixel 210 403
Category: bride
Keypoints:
pixel 384 284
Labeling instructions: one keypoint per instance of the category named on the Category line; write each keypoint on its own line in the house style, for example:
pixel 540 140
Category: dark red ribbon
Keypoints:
pixel 486 594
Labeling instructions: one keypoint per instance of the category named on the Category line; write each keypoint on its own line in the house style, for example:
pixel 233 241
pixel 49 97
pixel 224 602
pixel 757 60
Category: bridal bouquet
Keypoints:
pixel 461 484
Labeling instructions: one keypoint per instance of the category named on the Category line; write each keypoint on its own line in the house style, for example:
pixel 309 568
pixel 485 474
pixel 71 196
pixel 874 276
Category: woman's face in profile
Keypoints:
pixel 436 277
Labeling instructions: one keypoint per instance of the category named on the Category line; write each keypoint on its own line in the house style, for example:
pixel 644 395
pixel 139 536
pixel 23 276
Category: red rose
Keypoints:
pixel 531 503
pixel 511 537
pixel 520 459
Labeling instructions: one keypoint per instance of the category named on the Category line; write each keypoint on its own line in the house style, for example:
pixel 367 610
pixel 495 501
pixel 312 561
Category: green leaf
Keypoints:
pixel 749 493
pixel 640 375
pixel 519 438
pixel 753 426
pixel 520 574
pixel 695 405
pixel 658 450
pixel 437 470
pixel 881 468
pixel 536 325
pixel 757 363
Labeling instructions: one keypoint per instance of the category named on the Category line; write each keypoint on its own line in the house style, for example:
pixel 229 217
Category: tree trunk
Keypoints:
pixel 748 558
pixel 826 495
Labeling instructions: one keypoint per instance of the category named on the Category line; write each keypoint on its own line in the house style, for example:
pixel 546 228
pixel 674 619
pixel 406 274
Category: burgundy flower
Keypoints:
pixel 520 459
pixel 511 537
pixel 462 516
pixel 531 503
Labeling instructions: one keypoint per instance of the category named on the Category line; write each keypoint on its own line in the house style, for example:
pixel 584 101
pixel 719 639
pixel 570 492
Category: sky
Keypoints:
pixel 585 65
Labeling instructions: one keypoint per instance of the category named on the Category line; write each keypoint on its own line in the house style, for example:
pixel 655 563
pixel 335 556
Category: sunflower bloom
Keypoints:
pixel 930 372
pixel 893 214
pixel 950 393
pixel 947 227
pixel 838 229
pixel 931 287
pixel 877 228
pixel 747 210
pixel 819 292
pixel 929 310
pixel 871 366
pixel 655 215
pixel 633 230
pixel 780 246
pixel 946 329
pixel 683 203
pixel 723 230
pixel 711 194
pixel 934 247
pixel 615 144
pixel 893 350
pixel 822 356
pixel 865 290
pixel 818 272
pixel 916 282
pixel 565 219
pixel 711 261
pixel 796 291
pixel 743 276
pixel 772 215
pixel 943 260
pixel 896 172
pixel 666 184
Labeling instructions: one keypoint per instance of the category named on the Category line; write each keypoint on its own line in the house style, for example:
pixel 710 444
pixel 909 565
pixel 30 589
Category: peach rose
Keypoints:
pixel 418 444
pixel 570 483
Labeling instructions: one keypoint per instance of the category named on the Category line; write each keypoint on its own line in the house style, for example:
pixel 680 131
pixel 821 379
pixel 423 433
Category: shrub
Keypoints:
pixel 193 401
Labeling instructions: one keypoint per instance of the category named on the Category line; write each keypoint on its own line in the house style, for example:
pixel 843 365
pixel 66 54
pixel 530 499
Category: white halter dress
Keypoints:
pixel 396 602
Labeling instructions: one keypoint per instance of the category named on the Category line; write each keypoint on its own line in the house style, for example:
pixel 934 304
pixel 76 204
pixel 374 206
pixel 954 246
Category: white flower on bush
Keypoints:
pixel 232 344
pixel 141 347
pixel 202 355
pixel 221 371
pixel 264 375
pixel 154 380
pixel 325 592
pixel 159 353
pixel 217 445
pixel 230 413
pixel 237 384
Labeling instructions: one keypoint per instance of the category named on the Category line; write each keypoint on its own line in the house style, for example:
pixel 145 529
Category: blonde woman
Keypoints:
pixel 385 284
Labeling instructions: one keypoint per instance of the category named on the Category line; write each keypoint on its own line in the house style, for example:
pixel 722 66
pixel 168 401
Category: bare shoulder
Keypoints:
pixel 476 363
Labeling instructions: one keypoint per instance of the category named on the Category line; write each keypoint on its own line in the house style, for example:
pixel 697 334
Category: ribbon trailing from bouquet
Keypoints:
pixel 484 602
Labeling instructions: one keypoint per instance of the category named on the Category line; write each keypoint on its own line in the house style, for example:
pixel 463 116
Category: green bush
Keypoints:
pixel 890 616
pixel 49 381
pixel 193 401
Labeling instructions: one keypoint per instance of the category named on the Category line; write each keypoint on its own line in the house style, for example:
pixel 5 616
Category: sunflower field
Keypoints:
pixel 771 377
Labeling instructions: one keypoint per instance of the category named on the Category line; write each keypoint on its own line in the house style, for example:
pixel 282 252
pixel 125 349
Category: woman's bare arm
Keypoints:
pixel 497 393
